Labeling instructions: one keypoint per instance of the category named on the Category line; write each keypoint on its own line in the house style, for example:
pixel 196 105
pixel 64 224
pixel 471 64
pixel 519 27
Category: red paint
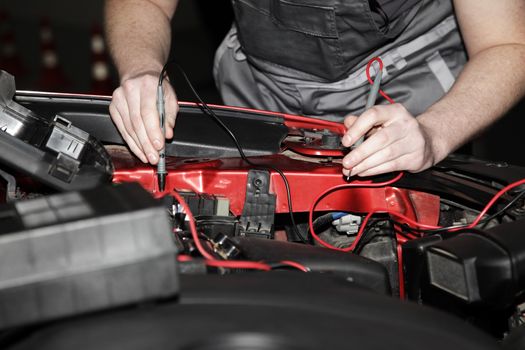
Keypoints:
pixel 308 176
pixel 310 173
pixel 227 178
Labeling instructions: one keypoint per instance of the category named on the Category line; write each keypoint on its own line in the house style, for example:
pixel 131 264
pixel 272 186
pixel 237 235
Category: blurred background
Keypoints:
pixel 58 45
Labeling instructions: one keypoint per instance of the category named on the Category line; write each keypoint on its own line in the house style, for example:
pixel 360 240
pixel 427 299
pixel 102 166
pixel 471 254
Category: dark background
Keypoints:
pixel 198 27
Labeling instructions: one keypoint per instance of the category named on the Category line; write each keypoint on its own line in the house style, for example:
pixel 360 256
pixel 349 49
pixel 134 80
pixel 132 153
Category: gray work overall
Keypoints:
pixel 308 57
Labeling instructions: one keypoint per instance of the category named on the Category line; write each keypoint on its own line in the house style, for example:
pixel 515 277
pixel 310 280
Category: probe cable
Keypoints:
pixel 363 224
pixel 480 219
pixel 209 259
pixel 420 227
pixel 208 111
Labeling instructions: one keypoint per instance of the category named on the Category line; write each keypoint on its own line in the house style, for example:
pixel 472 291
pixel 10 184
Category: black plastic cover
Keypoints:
pixel 481 265
pixel 196 134
pixel 264 311
pixel 55 152
pixel 361 271
pixel 80 251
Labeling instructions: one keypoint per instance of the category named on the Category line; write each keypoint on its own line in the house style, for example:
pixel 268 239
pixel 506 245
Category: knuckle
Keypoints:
pixel 388 152
pixel 349 120
pixel 147 82
pixel 112 110
pixel 394 165
pixel 383 137
pixel 117 93
pixel 399 108
pixel 128 85
pixel 136 120
pixel 372 113
pixel 356 156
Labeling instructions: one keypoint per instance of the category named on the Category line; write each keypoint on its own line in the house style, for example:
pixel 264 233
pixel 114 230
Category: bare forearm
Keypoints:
pixel 492 81
pixel 139 34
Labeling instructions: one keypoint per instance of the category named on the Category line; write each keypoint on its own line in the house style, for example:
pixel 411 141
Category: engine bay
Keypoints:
pixel 450 238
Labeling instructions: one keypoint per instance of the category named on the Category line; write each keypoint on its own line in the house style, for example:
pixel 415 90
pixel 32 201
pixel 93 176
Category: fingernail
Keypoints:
pixel 152 158
pixel 157 144
pixel 347 163
pixel 346 140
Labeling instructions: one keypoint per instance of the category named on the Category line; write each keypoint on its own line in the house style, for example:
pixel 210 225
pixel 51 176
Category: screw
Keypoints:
pixel 257 182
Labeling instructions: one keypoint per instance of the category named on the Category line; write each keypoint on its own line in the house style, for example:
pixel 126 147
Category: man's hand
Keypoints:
pixel 397 141
pixel 134 112
pixel 139 35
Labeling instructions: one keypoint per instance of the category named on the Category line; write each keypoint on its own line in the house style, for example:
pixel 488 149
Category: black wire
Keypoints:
pixel 207 110
pixel 505 208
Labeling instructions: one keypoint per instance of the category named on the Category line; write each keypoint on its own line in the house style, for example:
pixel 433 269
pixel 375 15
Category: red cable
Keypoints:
pixel 396 214
pixel 368 66
pixel 184 258
pixel 238 264
pixel 335 188
pixel 295 264
pixel 401 275
pixel 494 199
pixel 193 228
pixel 211 261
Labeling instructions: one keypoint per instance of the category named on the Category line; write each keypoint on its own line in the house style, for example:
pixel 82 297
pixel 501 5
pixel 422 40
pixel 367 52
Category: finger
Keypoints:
pixel 396 164
pixel 375 116
pixel 150 117
pixel 121 107
pixel 117 119
pixel 382 156
pixel 350 120
pixel 133 96
pixel 172 108
pixel 378 142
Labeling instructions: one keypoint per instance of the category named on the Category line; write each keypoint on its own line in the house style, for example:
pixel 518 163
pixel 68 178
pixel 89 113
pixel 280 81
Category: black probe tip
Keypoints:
pixel 162 181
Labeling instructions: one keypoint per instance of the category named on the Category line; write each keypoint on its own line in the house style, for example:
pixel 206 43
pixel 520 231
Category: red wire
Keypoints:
pixel 401 275
pixel 396 214
pixel 363 224
pixel 494 199
pixel 368 66
pixel 238 264
pixel 193 228
pixel 480 215
pixel 184 258
pixel 211 261
pixel 295 264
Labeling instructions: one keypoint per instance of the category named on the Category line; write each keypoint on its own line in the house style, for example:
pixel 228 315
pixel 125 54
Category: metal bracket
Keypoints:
pixel 259 206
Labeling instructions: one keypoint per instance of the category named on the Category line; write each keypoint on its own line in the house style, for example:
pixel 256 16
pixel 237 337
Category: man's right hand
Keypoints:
pixel 134 112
